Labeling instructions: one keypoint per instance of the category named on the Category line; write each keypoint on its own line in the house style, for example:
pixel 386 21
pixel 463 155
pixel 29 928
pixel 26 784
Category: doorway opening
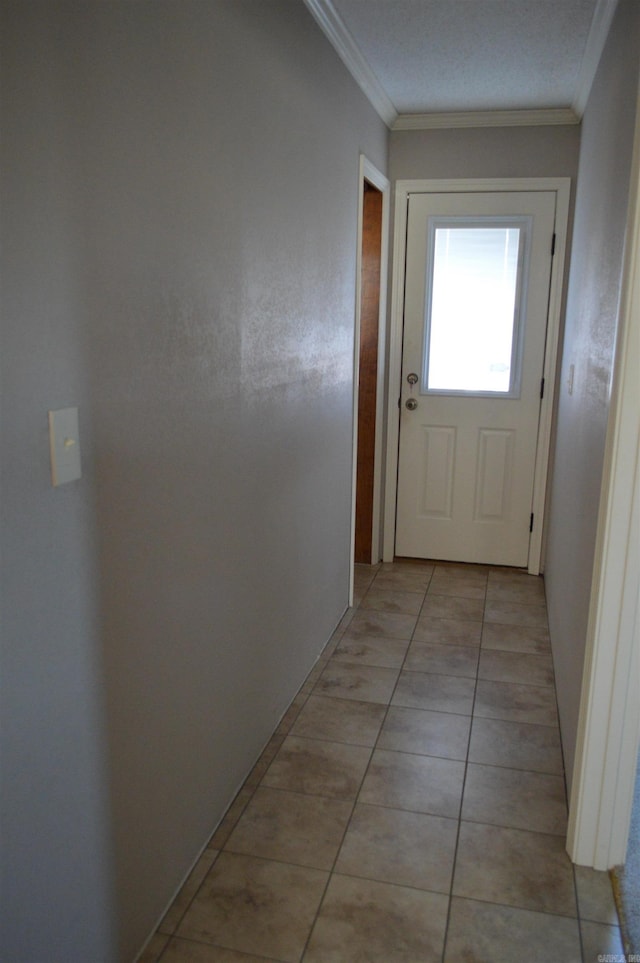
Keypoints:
pixel 369 363
pixel 478 269
pixel 494 449
pixel 371 256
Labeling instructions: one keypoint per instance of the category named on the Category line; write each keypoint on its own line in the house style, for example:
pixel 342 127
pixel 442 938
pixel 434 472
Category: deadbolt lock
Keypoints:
pixel 412 378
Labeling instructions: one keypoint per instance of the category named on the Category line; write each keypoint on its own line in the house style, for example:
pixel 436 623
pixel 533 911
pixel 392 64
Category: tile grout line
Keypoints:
pixel 373 749
pixel 471 718
pixel 464 782
pixel 355 801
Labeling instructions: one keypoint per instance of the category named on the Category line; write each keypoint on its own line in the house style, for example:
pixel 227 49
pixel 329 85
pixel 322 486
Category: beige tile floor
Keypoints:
pixel 410 807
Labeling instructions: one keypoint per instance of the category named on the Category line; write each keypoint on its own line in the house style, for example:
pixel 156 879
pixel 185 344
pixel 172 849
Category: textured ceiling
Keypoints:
pixel 465 55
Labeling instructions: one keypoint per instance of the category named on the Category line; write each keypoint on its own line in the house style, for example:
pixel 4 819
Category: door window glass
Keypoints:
pixel 475 294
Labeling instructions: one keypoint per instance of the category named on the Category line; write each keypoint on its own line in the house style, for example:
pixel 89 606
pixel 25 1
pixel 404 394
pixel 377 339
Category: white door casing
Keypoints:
pixel 602 790
pixel 559 187
pixel 467 454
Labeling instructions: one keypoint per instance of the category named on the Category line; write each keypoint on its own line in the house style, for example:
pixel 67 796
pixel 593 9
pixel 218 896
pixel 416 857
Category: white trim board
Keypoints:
pixel 370 173
pixel 561 186
pixel 609 722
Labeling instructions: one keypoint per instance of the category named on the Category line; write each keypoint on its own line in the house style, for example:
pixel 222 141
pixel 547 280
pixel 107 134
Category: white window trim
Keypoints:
pixel 523 225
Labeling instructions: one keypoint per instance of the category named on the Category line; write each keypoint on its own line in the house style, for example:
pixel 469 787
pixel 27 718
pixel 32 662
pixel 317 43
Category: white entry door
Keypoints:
pixel 478 269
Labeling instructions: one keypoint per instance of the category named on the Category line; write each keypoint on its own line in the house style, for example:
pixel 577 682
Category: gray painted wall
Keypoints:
pixel 591 323
pixel 485 152
pixel 54 832
pixel 180 215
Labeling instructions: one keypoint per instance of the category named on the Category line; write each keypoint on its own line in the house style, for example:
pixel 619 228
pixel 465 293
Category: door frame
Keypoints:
pixel 369 172
pixel 561 186
pixel 602 792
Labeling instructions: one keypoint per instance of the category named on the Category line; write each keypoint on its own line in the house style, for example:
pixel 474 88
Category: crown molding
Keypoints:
pixel 598 33
pixel 334 29
pixel 487 118
pixel 345 46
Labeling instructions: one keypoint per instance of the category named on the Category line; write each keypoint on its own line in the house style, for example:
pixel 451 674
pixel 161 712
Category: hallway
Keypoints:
pixel 411 805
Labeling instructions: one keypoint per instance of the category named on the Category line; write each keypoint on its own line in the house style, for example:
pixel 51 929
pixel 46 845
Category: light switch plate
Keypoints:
pixel 64 442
